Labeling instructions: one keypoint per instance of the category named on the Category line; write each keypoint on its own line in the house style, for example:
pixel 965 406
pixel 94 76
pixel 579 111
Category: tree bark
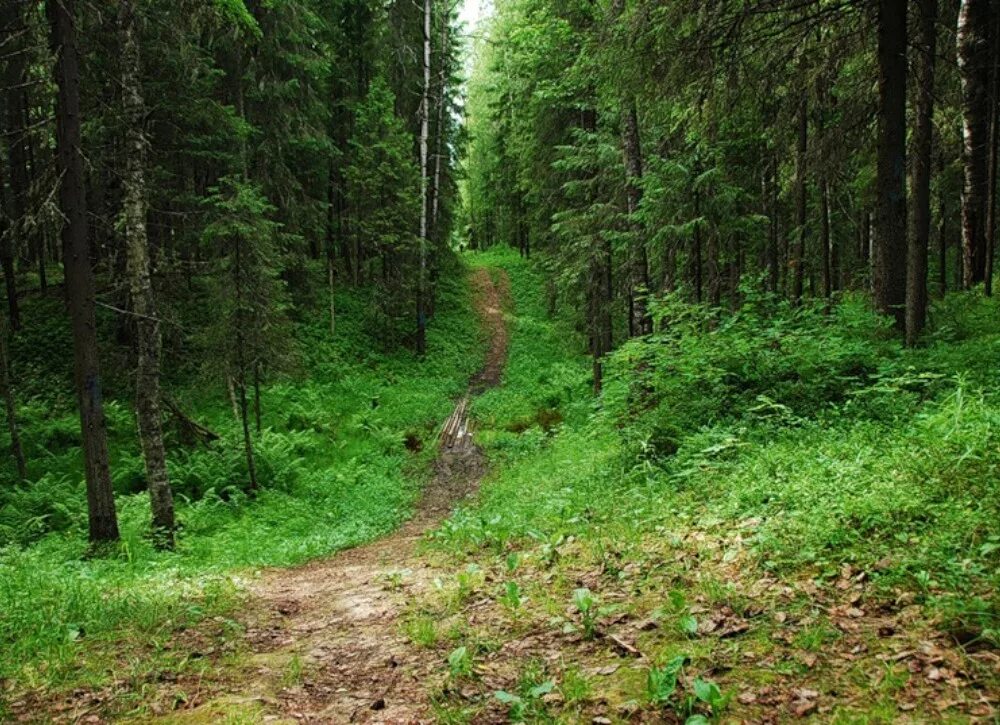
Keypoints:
pixel 103 518
pixel 149 340
pixel 920 180
pixel 771 204
pixel 424 198
pixel 890 213
pixel 974 65
pixel 10 404
pixel 14 129
pixel 639 320
pixel 991 198
pixel 797 261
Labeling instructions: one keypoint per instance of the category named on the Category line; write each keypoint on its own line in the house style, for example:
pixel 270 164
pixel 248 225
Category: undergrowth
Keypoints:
pixel 345 447
pixel 814 438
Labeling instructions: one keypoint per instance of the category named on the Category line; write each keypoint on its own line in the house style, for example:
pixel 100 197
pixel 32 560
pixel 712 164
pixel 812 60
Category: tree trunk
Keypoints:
pixel 771 200
pixel 797 261
pixel 439 136
pixel 696 250
pixel 241 371
pixel 639 320
pixel 942 255
pixel 920 181
pixel 14 129
pixel 79 276
pixel 824 238
pixel 424 199
pixel 974 65
pixel 149 341
pixel 10 404
pixel 991 198
pixel 890 213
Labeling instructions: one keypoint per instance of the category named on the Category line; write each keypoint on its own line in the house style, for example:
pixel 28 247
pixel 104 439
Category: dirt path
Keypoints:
pixel 325 639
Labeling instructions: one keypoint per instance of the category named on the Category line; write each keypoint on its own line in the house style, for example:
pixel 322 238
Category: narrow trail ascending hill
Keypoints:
pixel 338 620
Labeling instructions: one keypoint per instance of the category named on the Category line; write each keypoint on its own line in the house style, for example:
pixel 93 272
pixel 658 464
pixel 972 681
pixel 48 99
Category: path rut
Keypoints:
pixel 340 618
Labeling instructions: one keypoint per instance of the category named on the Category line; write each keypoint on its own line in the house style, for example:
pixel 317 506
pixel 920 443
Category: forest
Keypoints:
pixel 531 361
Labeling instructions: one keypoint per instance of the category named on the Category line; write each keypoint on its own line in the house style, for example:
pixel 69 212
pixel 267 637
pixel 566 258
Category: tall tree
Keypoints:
pixel 797 261
pixel 10 403
pixel 920 183
pixel 994 169
pixel 103 517
pixel 974 65
pixel 890 213
pixel 148 339
pixel 425 116
pixel 640 322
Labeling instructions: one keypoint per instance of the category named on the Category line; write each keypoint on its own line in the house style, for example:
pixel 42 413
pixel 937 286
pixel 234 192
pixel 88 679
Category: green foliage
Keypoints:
pixel 586 604
pixel 661 682
pixel 334 471
pixel 824 438
pixel 460 663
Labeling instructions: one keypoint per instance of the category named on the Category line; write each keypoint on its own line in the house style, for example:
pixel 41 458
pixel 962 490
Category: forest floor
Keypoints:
pixel 578 586
pixel 324 642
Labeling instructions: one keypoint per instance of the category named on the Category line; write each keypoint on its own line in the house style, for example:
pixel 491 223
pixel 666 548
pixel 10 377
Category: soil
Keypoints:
pixel 338 620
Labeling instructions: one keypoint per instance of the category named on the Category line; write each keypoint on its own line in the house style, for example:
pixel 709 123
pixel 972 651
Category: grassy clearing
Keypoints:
pixel 790 516
pixel 343 453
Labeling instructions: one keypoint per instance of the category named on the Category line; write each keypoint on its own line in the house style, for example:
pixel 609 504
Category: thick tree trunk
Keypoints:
pixel 149 341
pixel 890 212
pixel 920 180
pixel 79 276
pixel 425 112
pixel 974 64
pixel 797 261
pixel 639 320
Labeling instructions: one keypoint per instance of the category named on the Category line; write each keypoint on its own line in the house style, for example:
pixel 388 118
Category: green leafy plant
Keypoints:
pixel 586 604
pixel 709 693
pixel 661 682
pixel 460 663
pixel 511 597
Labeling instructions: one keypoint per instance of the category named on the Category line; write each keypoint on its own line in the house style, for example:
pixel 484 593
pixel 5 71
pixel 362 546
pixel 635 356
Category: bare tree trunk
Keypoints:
pixel 639 320
pixel 797 261
pixel 771 201
pixel 10 404
pixel 424 200
pixel 149 342
pixel 974 64
pixel 11 24
pixel 824 238
pixel 331 284
pixel 920 181
pixel 991 198
pixel 890 211
pixel 439 136
pixel 696 250
pixel 103 517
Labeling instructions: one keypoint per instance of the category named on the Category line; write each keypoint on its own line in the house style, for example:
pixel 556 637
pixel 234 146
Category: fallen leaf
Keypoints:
pixel 801 708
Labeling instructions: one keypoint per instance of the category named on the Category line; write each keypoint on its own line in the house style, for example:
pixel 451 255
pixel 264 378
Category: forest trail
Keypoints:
pixel 325 640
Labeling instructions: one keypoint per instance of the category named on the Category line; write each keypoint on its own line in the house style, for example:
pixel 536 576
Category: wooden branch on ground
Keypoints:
pixel 191 432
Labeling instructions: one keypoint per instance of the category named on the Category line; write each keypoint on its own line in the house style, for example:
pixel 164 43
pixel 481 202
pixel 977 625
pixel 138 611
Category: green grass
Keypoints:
pixel 804 442
pixel 335 473
pixel 893 459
